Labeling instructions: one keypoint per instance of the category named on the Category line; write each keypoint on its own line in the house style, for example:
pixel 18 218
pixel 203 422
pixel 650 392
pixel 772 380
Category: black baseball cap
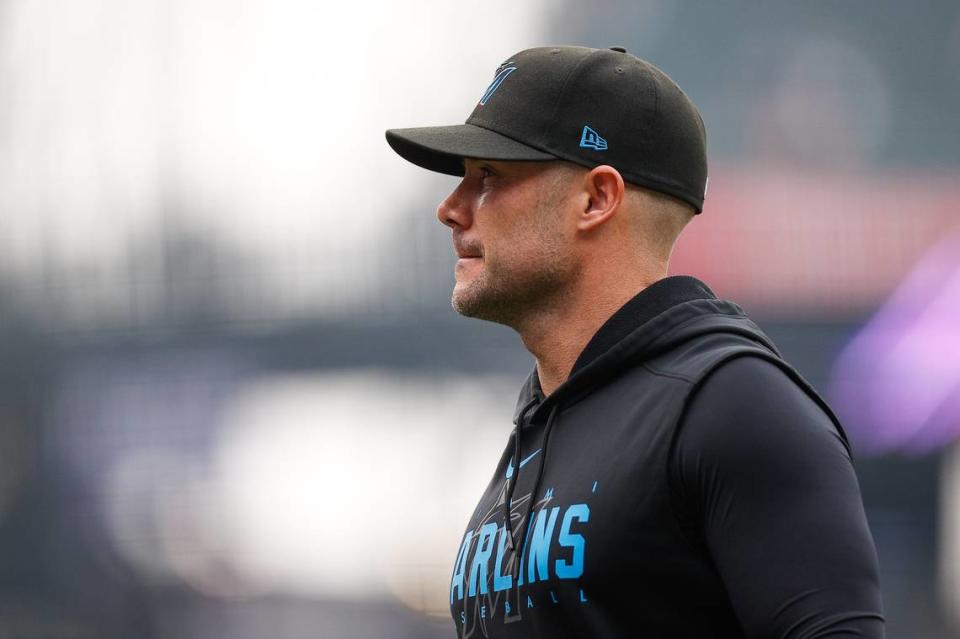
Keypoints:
pixel 587 106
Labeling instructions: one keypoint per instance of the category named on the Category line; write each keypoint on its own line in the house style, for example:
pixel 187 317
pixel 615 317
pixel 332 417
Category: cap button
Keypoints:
pixel 619 49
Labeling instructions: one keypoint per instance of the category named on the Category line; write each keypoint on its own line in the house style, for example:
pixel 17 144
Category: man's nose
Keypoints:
pixel 454 210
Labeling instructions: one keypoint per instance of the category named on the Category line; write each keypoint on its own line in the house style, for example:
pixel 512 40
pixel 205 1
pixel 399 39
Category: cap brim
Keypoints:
pixel 443 148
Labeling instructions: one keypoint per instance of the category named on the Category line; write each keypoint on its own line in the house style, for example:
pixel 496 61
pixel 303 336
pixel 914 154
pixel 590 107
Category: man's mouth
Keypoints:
pixel 468 261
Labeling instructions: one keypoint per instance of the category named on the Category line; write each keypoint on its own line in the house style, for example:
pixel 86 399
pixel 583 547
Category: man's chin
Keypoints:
pixel 464 303
pixel 470 302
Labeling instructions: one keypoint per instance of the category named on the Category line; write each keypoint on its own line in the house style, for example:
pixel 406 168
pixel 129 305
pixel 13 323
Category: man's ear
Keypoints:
pixel 605 188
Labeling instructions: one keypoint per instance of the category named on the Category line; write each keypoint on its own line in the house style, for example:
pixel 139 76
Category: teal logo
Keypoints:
pixel 590 139
pixel 522 463
pixel 503 71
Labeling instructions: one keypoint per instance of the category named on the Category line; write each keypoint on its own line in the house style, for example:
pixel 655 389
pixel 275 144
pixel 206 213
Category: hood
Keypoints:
pixel 659 318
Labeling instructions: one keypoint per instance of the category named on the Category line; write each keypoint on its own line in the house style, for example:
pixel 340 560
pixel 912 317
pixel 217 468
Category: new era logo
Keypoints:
pixel 590 139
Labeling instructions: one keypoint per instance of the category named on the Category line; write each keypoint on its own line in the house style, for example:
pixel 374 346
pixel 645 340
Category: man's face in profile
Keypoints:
pixel 509 231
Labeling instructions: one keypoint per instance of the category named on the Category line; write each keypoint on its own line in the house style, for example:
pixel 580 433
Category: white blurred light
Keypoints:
pixel 257 122
pixel 357 485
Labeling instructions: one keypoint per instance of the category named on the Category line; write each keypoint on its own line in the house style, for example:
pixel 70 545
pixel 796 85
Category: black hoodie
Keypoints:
pixel 650 503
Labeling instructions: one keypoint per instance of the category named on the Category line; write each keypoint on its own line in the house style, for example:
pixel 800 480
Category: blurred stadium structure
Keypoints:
pixel 235 400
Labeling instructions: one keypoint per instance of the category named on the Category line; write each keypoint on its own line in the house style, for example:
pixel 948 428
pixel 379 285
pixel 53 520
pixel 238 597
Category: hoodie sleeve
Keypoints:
pixel 770 489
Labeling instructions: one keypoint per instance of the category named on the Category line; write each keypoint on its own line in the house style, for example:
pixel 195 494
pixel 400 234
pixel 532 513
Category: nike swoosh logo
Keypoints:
pixel 522 462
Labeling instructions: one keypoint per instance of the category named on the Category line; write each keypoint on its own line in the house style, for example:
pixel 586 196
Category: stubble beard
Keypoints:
pixel 512 288
pixel 510 295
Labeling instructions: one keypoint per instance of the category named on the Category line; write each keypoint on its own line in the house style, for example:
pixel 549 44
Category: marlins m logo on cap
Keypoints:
pixel 503 71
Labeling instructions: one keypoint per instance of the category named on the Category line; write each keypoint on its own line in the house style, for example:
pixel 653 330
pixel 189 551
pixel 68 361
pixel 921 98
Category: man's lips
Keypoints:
pixel 468 261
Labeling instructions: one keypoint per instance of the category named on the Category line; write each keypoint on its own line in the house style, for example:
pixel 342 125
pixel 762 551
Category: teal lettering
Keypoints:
pixel 537 561
pixel 478 567
pixel 456 583
pixel 501 581
pixel 526 545
pixel 573 568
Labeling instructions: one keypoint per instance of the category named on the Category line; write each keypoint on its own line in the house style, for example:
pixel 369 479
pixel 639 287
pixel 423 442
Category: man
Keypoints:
pixel 669 474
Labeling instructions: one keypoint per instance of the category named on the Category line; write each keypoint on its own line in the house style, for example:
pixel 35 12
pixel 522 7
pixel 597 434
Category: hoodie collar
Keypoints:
pixel 652 301
pixel 642 307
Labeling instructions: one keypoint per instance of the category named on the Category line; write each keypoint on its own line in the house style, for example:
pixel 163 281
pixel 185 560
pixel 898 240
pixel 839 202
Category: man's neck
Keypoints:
pixel 557 335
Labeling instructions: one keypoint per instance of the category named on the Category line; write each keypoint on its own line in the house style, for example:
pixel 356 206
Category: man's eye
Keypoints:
pixel 485 172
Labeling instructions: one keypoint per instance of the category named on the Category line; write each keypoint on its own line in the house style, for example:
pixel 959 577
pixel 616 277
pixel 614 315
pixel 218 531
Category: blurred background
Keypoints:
pixel 234 399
